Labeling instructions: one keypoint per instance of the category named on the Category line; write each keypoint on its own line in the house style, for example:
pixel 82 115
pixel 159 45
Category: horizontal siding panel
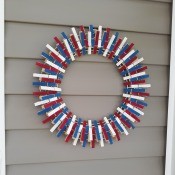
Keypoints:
pixel 154 48
pixel 142 16
pixel 81 78
pixel 136 166
pixel 88 107
pixel 39 146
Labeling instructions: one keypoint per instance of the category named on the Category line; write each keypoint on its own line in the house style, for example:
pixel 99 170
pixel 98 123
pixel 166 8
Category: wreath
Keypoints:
pixel 114 48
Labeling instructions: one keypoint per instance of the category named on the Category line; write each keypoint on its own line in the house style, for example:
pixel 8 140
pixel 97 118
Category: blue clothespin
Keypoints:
pixel 85 136
pixel 77 128
pixel 96 130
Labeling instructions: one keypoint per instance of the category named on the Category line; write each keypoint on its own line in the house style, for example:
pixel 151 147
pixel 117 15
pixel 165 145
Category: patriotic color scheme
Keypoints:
pixel 58 58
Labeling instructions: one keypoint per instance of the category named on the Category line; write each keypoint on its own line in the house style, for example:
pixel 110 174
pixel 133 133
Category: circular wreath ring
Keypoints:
pixel 94 41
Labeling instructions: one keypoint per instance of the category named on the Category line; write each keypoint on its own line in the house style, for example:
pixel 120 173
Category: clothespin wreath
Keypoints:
pixel 56 61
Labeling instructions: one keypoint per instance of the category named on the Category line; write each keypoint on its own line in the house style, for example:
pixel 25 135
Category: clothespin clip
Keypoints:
pixel 56 125
pixel 109 126
pixel 96 130
pixel 85 136
pixel 55 52
pixel 108 133
pixel 122 126
pixel 90 136
pixel 107 38
pixel 96 42
pixel 110 44
pixel 92 143
pixel 135 109
pixel 69 136
pixel 71 125
pixel 125 114
pixel 114 49
pixel 134 76
pixel 66 42
pixel 133 96
pixel 65 52
pixel 84 36
pixel 78 135
pixel 100 36
pixel 76 38
pixel 89 42
pixel 104 131
pixel 120 46
pixel 101 136
pixel 56 109
pixel 83 131
pixel 91 29
pixel 46 88
pixel 75 45
pixel 125 57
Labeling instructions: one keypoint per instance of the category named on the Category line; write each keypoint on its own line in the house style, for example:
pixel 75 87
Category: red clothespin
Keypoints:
pixel 83 131
pixel 115 129
pixel 131 61
pixel 127 50
pixel 96 42
pixel 142 94
pixel 58 81
pixel 92 144
pixel 41 93
pixel 65 120
pixel 75 45
pixel 62 46
pixel 107 37
pixel 48 119
pixel 128 83
pixel 104 131
pixel 47 105
pixel 85 37
pixel 71 133
pixel 132 115
pixel 56 57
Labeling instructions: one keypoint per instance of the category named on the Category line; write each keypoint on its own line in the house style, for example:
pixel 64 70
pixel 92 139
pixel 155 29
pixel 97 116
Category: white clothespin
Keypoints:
pixel 69 49
pixel 44 76
pixel 58 123
pixel 133 96
pixel 125 114
pixel 71 124
pixel 140 86
pixel 109 126
pixel 125 57
pixel 78 135
pixel 56 109
pixel 135 109
pixel 89 43
pixel 135 63
pixel 121 45
pixel 134 75
pixel 101 136
pixel 55 52
pixel 76 38
pixel 109 45
pixel 55 66
pixel 100 36
pixel 45 101
pixel 90 137
pixel 47 88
